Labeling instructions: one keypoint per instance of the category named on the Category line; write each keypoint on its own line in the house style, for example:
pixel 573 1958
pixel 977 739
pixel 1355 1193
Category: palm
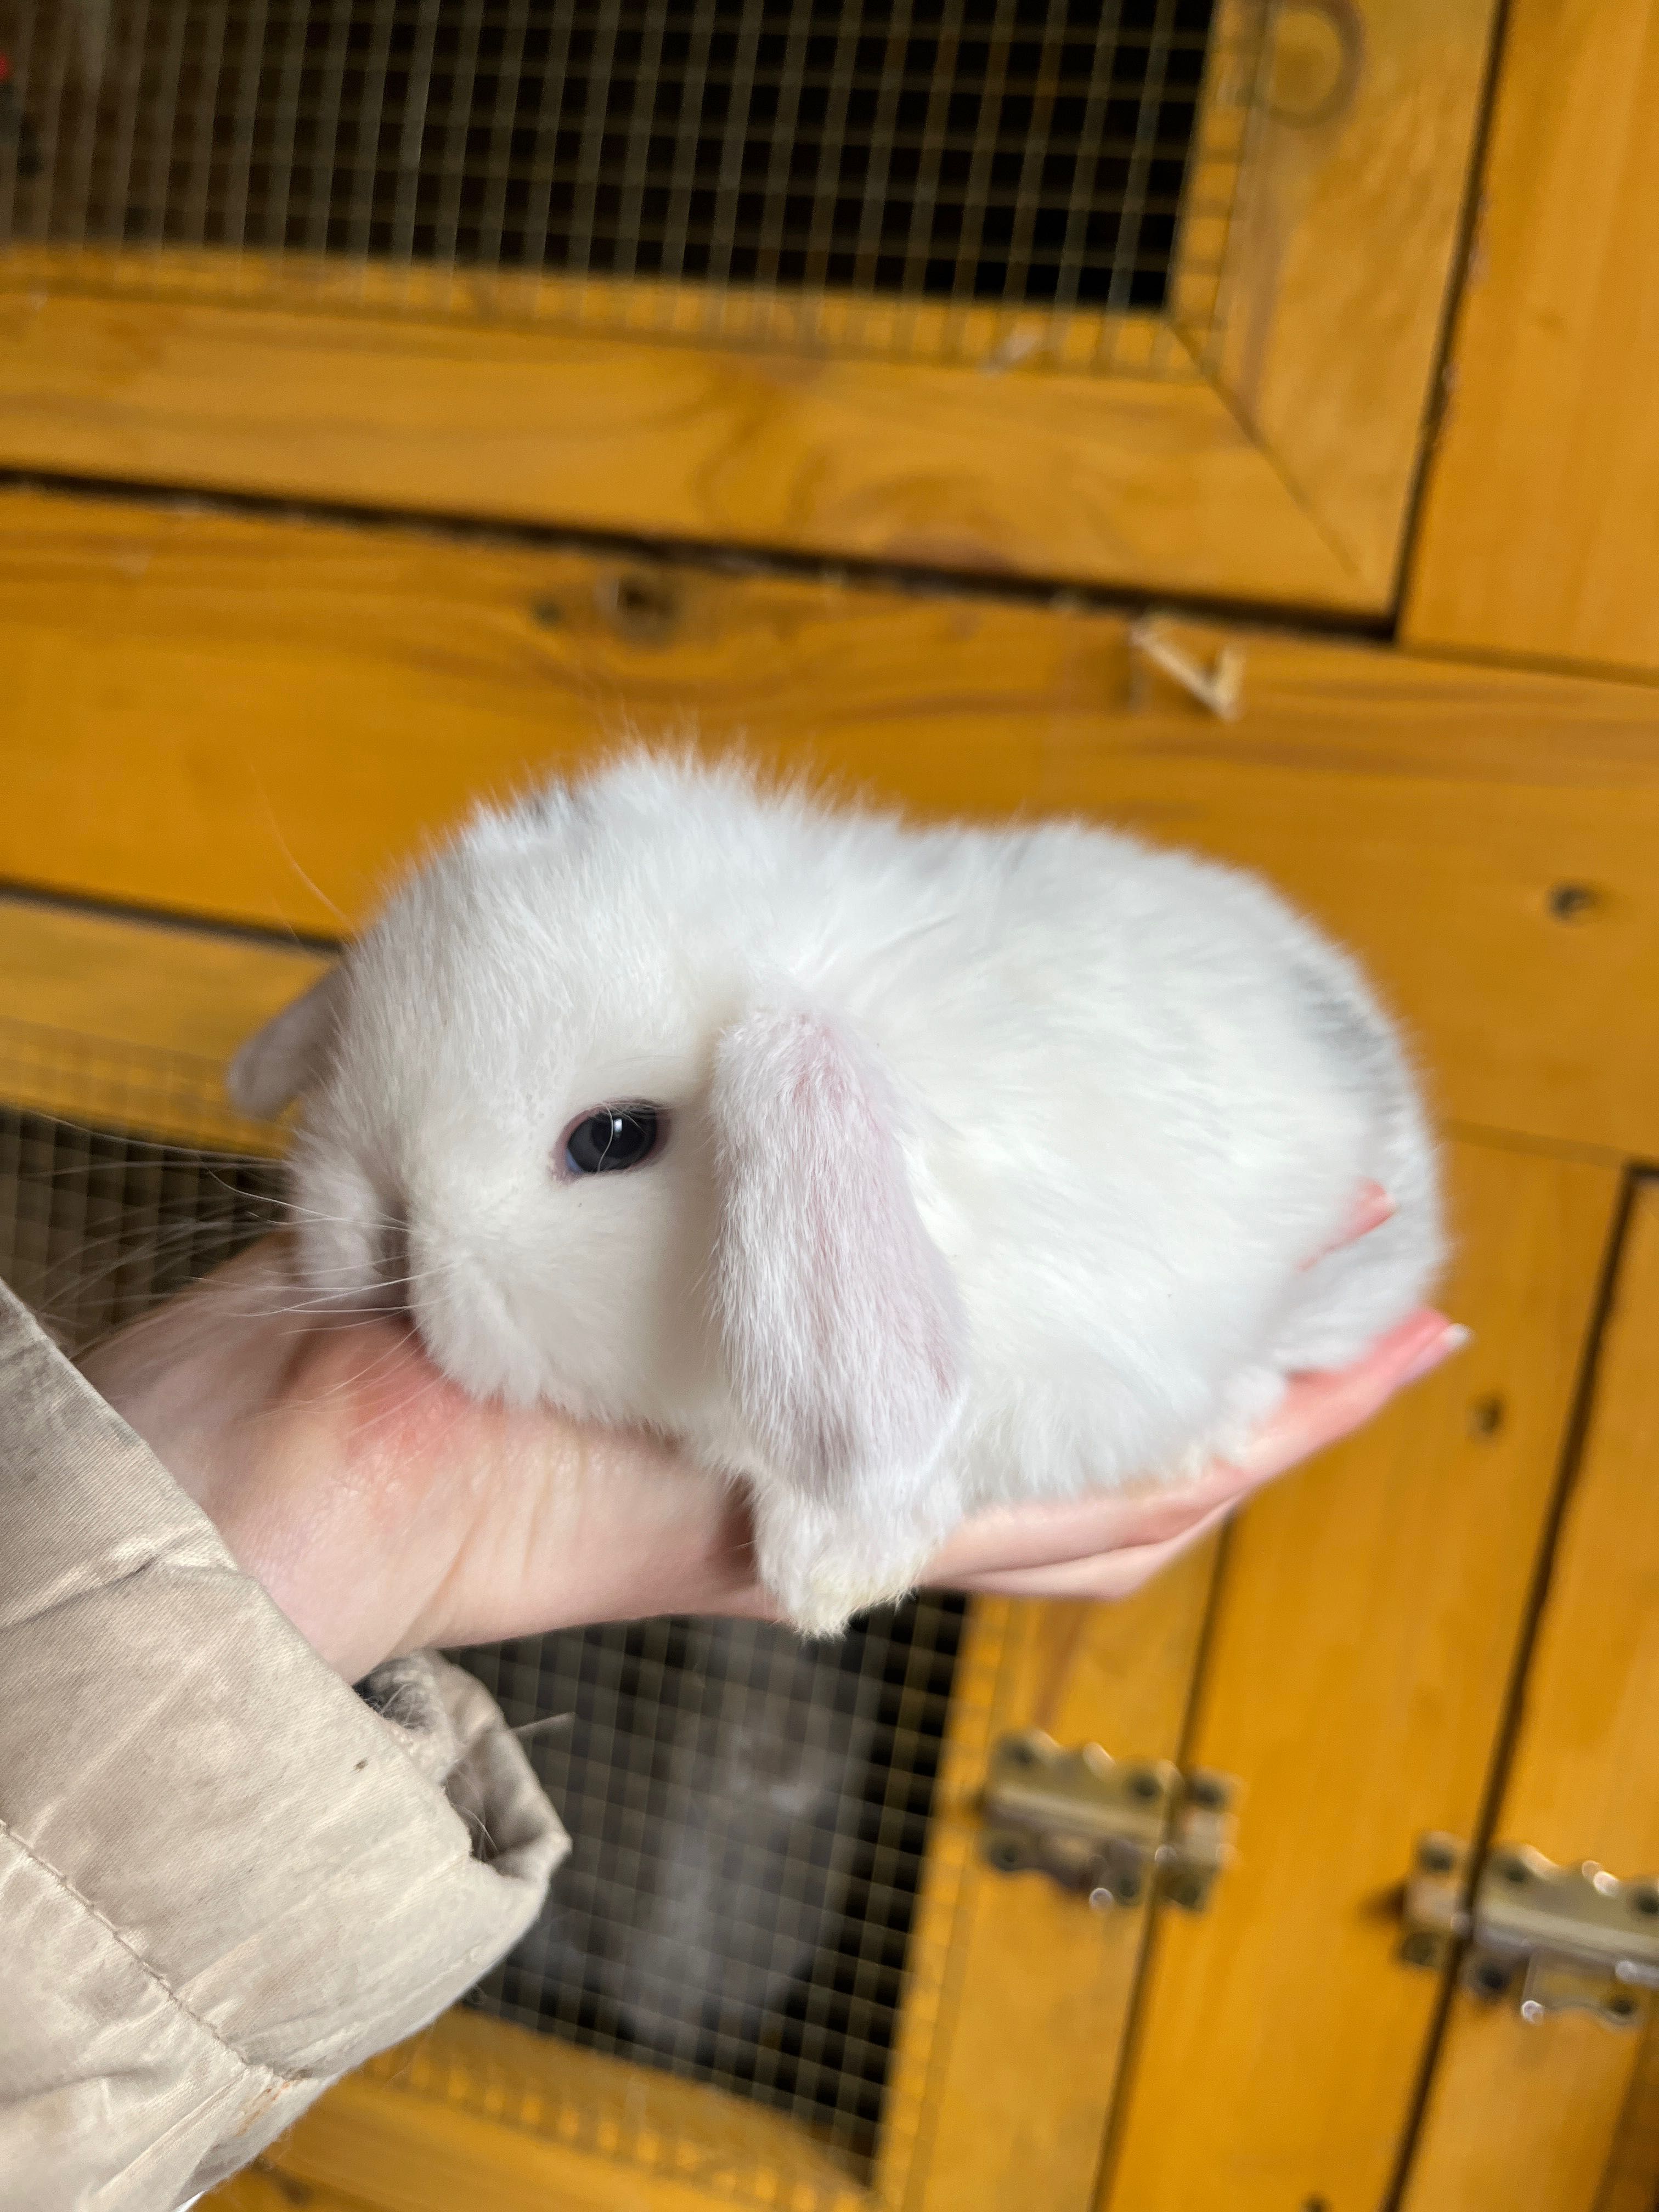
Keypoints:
pixel 385 1510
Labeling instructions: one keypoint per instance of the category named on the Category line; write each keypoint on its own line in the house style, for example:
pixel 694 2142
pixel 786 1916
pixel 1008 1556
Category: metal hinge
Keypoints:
pixel 1553 1938
pixel 1113 1830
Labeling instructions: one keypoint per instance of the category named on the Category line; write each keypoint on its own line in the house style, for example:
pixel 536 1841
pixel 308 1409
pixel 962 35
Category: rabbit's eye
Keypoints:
pixel 611 1138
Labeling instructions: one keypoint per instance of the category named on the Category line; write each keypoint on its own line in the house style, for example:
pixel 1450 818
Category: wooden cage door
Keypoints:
pixel 1257 438
pixel 1017 1997
pixel 1560 2113
pixel 1355 1681
pixel 1537 539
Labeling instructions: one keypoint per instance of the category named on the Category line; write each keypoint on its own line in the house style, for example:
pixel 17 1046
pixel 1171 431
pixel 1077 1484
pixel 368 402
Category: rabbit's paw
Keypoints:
pixel 1248 1402
pixel 821 1574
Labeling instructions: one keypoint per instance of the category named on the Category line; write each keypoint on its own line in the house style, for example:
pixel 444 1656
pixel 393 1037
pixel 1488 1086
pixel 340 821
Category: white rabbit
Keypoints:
pixel 961 1164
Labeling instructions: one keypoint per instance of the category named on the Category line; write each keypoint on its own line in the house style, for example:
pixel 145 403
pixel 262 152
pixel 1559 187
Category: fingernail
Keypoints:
pixel 1435 1353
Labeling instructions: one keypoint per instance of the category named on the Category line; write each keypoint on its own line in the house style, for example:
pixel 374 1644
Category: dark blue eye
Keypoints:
pixel 612 1138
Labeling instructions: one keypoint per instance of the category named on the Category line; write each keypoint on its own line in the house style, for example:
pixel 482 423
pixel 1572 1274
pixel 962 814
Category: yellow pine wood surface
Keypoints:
pixel 594 406
pixel 1523 2115
pixel 1000 2102
pixel 1538 536
pixel 1630 2182
pixel 262 2188
pixel 1124 479
pixel 478 2113
pixel 1354 1679
pixel 1340 251
pixel 129 1023
pixel 262 719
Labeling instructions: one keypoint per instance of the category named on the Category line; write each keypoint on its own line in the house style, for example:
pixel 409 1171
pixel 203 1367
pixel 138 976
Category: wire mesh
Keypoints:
pixel 100 1219
pixel 748 1816
pixel 945 175
pixel 749 1813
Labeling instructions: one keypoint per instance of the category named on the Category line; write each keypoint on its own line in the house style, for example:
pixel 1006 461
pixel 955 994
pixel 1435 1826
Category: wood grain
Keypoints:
pixel 1132 480
pixel 261 2188
pixel 476 2112
pixel 262 719
pixel 1340 251
pixel 932 330
pixel 130 1024
pixel 1539 537
pixel 1017 1995
pixel 1354 1679
pixel 1527 2115
pixel 1630 2182
pixel 1312 279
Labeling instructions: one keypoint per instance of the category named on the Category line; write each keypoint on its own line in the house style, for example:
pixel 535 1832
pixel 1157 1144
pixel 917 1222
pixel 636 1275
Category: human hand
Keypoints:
pixel 385 1511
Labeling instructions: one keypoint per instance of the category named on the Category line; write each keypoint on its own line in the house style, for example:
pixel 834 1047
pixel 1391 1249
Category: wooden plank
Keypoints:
pixel 1340 253
pixel 1017 1996
pixel 478 2112
pixel 261 2188
pixel 129 1024
pixel 1355 1677
pixel 936 330
pixel 1630 2182
pixel 1528 2114
pixel 1135 480
pixel 1325 190
pixel 260 719
pixel 1538 537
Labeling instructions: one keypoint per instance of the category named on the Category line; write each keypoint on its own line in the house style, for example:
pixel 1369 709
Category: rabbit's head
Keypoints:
pixel 562 1104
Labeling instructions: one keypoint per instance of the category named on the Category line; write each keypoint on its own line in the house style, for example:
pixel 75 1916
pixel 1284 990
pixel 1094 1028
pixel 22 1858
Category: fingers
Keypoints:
pixel 1318 1410
pixel 1104 1575
pixel 1106 1547
pixel 1015 1537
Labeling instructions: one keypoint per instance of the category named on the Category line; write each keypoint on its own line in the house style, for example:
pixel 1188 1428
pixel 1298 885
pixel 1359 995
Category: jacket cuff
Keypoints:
pixel 229 1877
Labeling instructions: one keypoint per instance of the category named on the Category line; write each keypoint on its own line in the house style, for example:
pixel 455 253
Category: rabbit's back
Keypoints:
pixel 1138 1092
pixel 1143 1092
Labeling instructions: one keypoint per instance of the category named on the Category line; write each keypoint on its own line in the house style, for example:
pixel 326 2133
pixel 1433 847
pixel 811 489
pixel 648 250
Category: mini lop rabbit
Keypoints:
pixel 896 1171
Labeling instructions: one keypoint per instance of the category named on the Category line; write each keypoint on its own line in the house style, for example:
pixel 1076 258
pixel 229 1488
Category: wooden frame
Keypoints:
pixel 1537 538
pixel 129 1024
pixel 1357 1673
pixel 269 715
pixel 1260 442
pixel 1552 2116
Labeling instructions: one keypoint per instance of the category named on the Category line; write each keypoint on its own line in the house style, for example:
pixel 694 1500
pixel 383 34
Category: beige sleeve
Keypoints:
pixel 225 1878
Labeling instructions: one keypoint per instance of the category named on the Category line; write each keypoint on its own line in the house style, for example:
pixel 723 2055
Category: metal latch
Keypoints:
pixel 1554 1938
pixel 1113 1830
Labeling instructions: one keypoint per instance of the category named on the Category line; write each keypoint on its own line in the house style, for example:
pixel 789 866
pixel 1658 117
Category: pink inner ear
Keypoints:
pixel 843 1329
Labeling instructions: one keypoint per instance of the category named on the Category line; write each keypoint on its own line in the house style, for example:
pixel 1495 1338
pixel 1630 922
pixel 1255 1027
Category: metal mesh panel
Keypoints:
pixel 99 1223
pixel 748 1813
pixel 961 155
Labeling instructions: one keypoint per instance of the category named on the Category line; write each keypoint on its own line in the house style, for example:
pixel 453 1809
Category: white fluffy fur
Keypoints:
pixel 995 1165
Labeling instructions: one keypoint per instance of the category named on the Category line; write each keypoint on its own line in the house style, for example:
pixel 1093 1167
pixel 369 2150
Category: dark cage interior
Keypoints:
pixel 749 1813
pixel 1016 152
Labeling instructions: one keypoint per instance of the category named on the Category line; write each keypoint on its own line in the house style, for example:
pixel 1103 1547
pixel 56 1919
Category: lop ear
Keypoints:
pixel 844 1334
pixel 286 1057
